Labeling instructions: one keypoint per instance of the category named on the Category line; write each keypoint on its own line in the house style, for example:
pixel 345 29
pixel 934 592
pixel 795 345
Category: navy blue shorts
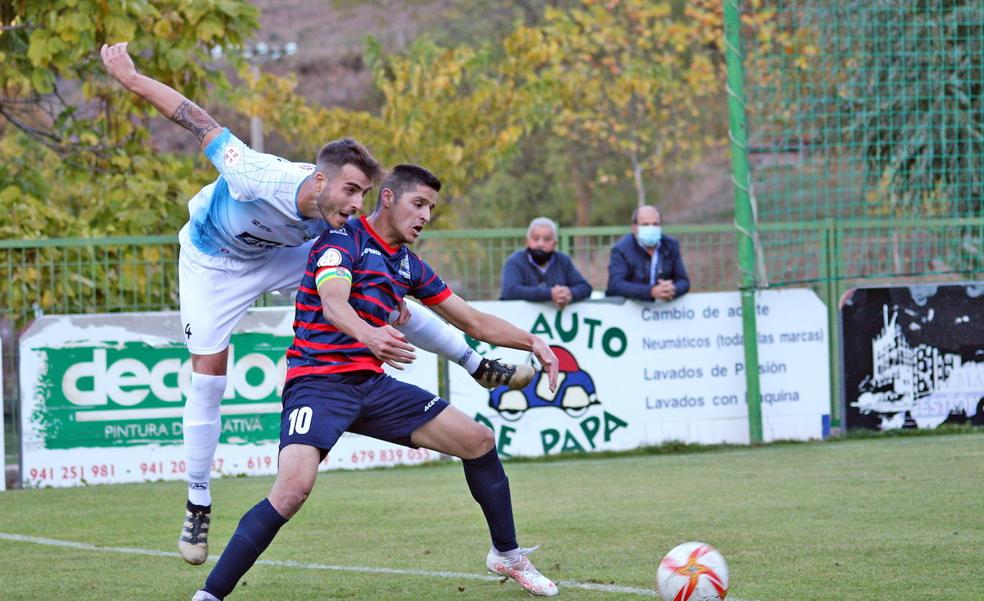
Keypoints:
pixel 318 409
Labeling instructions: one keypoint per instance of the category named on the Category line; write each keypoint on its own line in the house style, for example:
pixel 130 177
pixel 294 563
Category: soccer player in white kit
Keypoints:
pixel 250 233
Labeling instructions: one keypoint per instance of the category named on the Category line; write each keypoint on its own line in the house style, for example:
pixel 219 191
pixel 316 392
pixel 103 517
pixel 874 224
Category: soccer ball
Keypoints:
pixel 692 572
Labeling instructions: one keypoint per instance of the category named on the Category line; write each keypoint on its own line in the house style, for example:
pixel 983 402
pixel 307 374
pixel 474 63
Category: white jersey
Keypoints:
pixel 252 206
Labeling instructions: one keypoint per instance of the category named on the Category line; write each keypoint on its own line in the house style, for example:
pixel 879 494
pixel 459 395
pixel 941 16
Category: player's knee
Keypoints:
pixel 287 503
pixel 480 442
pixel 206 390
pixel 288 499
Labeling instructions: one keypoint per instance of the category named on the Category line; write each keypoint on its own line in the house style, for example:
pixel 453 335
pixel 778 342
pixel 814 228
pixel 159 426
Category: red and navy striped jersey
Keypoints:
pixel 381 276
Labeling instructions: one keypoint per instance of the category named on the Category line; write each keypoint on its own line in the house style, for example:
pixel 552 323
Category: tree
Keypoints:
pixel 75 152
pixel 627 76
pixel 53 86
pixel 75 147
pixel 451 109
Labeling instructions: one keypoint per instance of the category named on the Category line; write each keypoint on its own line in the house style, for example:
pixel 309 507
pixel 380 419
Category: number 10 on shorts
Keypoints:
pixel 300 421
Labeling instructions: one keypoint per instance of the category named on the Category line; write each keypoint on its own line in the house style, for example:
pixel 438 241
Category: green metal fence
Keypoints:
pixel 870 114
pixel 140 274
pixel 866 118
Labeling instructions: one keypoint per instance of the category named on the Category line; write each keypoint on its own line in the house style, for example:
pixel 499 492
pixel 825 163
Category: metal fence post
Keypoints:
pixel 744 218
pixel 829 274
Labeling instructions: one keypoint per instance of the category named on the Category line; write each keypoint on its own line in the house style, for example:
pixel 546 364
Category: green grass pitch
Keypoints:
pixel 889 518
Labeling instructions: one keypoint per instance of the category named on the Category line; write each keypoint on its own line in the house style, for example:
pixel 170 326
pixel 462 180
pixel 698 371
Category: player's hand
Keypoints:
pixel 118 63
pixel 390 346
pixel 400 315
pixel 547 359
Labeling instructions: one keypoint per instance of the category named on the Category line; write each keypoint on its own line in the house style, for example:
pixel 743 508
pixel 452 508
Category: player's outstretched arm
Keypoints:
pixel 171 103
pixel 497 331
pixel 386 342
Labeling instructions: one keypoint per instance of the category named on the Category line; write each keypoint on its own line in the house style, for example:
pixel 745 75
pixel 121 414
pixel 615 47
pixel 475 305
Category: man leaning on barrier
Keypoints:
pixel 540 272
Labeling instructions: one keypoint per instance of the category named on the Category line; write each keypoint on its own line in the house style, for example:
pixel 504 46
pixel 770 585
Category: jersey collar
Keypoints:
pixel 389 249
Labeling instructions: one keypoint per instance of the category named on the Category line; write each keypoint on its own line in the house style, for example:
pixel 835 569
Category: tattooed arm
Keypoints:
pixel 167 100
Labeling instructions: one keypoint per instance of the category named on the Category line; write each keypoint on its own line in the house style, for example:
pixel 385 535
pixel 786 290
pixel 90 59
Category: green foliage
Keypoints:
pixel 888 93
pixel 627 79
pixel 534 182
pixel 75 154
pixel 543 177
pixel 450 109
pixel 620 79
pixel 44 196
pixel 53 83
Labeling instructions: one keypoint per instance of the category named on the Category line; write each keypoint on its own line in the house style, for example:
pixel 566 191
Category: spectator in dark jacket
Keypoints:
pixel 540 273
pixel 645 264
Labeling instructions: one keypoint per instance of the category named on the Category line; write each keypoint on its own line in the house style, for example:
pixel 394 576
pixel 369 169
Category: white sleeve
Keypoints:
pixel 249 174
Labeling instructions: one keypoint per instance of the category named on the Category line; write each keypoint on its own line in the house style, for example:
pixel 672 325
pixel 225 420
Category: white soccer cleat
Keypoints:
pixel 203 596
pixel 516 565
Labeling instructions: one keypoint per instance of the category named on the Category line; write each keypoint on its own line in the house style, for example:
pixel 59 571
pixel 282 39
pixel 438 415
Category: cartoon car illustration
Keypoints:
pixel 575 391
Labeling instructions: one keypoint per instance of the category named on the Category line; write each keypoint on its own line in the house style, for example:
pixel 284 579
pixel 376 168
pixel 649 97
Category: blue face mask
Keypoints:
pixel 649 235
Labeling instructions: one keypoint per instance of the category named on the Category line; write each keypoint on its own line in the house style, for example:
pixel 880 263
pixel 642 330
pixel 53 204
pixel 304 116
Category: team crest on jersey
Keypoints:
pixel 331 258
pixel 231 157
pixel 405 267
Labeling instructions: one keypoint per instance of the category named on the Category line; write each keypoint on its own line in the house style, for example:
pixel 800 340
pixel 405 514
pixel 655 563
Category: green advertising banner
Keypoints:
pixel 129 393
pixel 103 396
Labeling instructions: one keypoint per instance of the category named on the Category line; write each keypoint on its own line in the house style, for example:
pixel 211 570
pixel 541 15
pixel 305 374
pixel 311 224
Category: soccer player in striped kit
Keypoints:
pixel 356 277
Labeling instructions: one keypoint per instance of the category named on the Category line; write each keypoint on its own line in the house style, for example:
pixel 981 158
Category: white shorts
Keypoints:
pixel 215 292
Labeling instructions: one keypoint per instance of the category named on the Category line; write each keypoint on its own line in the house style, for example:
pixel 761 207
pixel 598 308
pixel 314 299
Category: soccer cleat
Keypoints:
pixel 492 373
pixel 193 542
pixel 204 596
pixel 516 565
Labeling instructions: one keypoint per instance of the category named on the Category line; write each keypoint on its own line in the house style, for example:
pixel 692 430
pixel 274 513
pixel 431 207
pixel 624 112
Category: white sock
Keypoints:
pixel 202 425
pixel 426 331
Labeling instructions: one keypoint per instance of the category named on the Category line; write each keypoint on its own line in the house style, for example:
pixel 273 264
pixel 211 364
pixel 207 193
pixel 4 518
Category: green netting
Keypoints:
pixel 866 119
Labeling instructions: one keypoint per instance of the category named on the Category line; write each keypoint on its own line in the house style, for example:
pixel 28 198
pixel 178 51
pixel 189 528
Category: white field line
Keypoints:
pixel 590 586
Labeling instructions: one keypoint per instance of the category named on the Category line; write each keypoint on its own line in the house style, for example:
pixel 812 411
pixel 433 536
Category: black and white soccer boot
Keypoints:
pixel 492 373
pixel 193 542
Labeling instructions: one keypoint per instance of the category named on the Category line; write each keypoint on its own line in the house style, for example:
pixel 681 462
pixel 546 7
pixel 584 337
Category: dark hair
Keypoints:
pixel 402 177
pixel 347 151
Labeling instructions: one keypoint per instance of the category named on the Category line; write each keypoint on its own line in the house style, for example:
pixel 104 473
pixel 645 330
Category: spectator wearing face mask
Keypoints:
pixel 540 273
pixel 646 265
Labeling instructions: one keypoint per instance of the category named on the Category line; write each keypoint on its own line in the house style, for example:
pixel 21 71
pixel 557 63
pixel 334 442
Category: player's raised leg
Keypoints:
pixel 424 330
pixel 454 433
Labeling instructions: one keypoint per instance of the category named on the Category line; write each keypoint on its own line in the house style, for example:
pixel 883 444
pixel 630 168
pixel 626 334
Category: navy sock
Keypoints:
pixel 255 532
pixel 490 487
